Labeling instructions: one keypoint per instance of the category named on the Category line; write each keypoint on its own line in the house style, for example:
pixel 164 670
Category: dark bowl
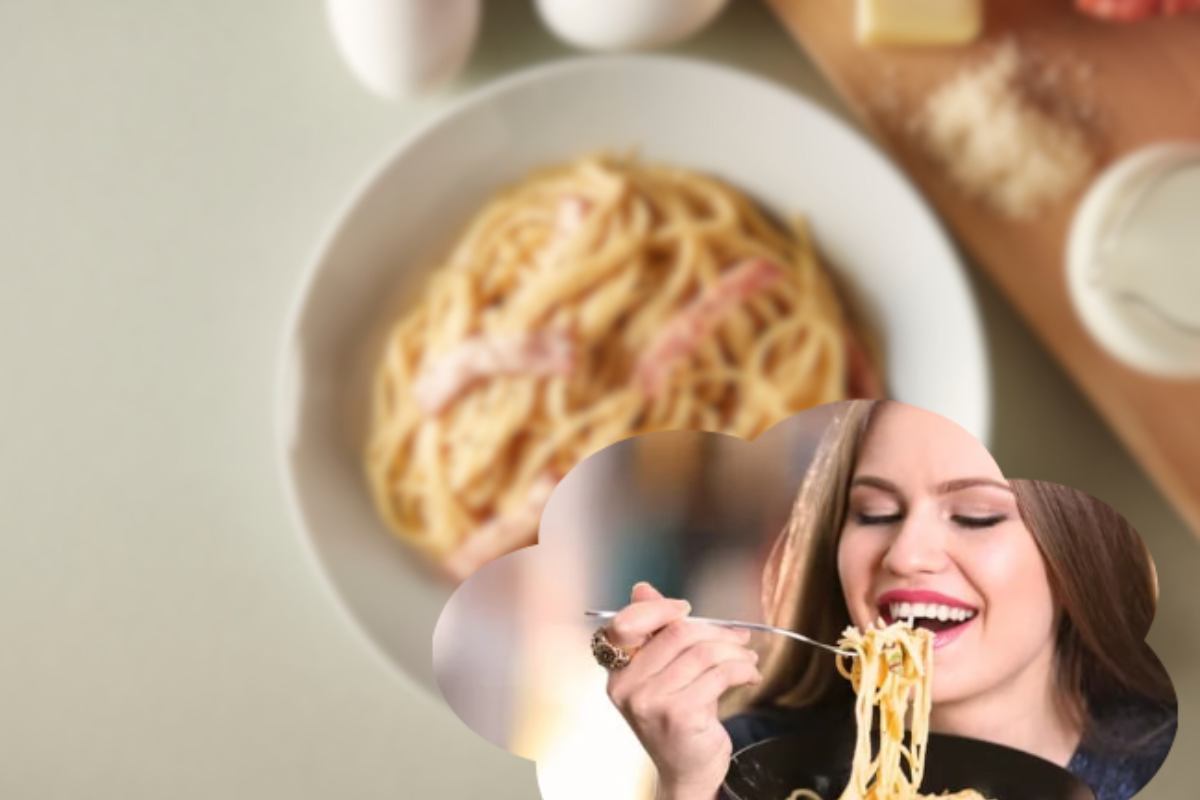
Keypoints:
pixel 819 760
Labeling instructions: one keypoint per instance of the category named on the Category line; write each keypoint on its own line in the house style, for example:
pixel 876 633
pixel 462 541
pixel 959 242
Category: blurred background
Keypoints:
pixel 170 169
pixel 695 514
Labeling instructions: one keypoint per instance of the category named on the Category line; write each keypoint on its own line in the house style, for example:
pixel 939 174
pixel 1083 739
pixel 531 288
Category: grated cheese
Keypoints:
pixel 984 127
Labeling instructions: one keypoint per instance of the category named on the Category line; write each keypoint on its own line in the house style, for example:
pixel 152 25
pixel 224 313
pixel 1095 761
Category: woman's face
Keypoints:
pixel 932 532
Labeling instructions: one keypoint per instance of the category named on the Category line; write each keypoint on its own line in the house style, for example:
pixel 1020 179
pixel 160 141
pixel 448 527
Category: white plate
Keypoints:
pixel 790 155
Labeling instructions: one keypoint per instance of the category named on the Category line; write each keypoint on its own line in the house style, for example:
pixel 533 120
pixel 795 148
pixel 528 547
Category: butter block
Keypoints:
pixel 919 21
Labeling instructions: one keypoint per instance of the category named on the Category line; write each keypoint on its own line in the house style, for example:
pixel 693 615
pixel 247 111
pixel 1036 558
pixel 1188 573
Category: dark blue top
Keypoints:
pixel 1104 760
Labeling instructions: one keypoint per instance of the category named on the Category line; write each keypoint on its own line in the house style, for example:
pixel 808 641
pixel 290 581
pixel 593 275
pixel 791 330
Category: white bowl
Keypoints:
pixel 871 226
pixel 1126 324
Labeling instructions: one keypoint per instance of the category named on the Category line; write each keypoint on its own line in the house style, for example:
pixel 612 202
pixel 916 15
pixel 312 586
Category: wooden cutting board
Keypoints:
pixel 1139 83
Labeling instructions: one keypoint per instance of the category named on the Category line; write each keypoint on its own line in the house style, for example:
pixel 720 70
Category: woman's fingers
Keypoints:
pixel 644 591
pixel 671 642
pixel 649 706
pixel 637 622
pixel 674 655
pixel 699 659
pixel 716 680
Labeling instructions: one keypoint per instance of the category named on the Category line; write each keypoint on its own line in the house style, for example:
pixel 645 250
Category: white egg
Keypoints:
pixel 403 47
pixel 626 24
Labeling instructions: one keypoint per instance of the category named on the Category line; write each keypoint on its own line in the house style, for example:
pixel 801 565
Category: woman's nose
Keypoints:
pixel 917 546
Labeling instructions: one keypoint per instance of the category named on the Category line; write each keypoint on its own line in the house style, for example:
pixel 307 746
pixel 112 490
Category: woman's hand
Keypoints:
pixel 669 691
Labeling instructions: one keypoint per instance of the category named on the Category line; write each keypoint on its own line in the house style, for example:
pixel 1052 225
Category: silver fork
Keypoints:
pixel 753 626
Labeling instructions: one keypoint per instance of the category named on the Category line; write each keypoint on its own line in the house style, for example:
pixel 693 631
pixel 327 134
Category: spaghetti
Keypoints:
pixel 892 671
pixel 592 302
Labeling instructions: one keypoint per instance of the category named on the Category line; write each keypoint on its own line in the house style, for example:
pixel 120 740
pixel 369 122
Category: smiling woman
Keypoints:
pixel 1036 599
pixel 1038 596
pixel 931 523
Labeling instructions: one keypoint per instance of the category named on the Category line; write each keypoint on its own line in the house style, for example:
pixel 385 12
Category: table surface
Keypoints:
pixel 165 632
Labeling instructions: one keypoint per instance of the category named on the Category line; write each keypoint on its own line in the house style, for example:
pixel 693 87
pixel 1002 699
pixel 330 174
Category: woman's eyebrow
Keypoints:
pixel 875 483
pixel 958 484
pixel 947 487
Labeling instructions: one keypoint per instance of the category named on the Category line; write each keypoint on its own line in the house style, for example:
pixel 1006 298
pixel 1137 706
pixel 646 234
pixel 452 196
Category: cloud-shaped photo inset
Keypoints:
pixel 1003 620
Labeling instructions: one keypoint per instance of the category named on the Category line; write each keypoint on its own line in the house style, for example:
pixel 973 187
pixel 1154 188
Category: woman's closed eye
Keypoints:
pixel 878 517
pixel 978 520
pixel 972 520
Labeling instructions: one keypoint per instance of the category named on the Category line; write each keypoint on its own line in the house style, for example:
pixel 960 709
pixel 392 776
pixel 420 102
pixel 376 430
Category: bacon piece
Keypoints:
pixel 535 353
pixel 502 533
pixel 1134 10
pixel 570 215
pixel 862 379
pixel 683 333
pixel 572 211
pixel 1120 10
pixel 1171 7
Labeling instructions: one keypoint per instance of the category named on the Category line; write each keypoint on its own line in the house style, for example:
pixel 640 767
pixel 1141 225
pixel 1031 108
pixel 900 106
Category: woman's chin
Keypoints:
pixel 954 677
pixel 941 693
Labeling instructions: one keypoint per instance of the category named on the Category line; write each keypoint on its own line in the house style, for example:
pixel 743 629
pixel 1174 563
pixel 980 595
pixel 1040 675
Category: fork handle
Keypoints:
pixel 754 626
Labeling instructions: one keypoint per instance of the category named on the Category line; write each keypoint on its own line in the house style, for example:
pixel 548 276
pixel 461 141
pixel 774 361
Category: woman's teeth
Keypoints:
pixel 935 611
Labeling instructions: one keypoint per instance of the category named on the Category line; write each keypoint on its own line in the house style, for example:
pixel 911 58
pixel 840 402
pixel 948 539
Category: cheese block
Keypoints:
pixel 919 21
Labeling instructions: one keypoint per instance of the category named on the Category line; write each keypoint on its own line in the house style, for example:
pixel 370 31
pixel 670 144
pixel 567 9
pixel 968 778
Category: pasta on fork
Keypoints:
pixel 892 675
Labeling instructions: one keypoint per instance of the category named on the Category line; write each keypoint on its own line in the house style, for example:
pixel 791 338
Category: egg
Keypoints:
pixel 399 48
pixel 626 24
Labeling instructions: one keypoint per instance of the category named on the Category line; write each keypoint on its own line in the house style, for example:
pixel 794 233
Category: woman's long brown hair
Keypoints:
pixel 800 587
pixel 1103 581
pixel 1100 574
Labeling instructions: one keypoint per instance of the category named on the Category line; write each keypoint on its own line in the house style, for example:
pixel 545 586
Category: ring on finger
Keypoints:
pixel 607 654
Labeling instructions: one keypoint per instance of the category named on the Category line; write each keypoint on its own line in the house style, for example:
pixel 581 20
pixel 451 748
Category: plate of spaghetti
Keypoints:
pixel 889 754
pixel 577 254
